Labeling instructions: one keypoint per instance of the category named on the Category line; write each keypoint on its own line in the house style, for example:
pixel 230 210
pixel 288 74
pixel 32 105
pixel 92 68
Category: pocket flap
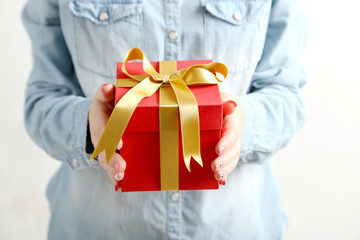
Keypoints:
pixel 236 12
pixel 103 13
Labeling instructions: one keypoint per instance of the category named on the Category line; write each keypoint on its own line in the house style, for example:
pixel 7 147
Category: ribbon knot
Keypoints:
pixel 166 78
pixel 145 86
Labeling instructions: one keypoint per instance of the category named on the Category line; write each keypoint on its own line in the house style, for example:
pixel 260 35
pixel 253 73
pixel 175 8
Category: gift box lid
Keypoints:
pixel 146 115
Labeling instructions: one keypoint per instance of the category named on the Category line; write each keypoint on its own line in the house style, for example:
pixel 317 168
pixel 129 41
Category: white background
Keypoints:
pixel 319 172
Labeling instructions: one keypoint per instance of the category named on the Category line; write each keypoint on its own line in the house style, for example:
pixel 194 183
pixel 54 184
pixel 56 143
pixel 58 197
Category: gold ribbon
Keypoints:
pixel 145 86
pixel 168 131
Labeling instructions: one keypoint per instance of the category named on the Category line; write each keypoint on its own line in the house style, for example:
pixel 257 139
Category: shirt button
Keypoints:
pixel 104 16
pixel 175 196
pixel 173 35
pixel 75 162
pixel 237 16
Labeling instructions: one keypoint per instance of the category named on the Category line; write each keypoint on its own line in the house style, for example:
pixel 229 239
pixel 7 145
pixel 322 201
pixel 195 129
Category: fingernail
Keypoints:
pixel 117 176
pixel 106 87
pixel 233 102
pixel 116 166
pixel 221 150
pixel 217 177
pixel 219 166
pixel 222 175
pixel 222 182
pixel 103 86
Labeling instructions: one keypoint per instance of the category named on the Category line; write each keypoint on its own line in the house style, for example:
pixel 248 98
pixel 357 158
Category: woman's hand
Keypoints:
pixel 99 113
pixel 228 147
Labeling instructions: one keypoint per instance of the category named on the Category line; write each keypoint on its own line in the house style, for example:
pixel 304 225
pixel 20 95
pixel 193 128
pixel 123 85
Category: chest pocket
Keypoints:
pixel 104 31
pixel 235 31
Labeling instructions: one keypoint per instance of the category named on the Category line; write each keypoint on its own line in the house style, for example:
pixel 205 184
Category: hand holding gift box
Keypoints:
pixel 153 143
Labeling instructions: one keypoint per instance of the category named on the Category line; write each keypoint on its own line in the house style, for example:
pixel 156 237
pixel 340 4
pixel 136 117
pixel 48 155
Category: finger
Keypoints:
pixel 229 103
pixel 105 93
pixel 229 107
pixel 226 170
pixel 100 111
pixel 116 167
pixel 223 160
pixel 229 136
pixel 120 145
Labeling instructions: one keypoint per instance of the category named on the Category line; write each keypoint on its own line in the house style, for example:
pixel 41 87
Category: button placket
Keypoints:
pixel 174 215
pixel 173 39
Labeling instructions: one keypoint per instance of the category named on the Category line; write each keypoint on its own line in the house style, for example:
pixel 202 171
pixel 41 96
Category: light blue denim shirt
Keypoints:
pixel 76 44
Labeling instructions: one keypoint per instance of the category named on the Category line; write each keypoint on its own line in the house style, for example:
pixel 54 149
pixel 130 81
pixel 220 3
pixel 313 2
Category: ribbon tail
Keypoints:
pixel 197 159
pixel 99 149
pixel 121 115
pixel 189 119
pixel 112 134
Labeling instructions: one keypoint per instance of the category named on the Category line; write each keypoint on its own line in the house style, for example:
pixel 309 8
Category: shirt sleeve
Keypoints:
pixel 274 108
pixel 55 107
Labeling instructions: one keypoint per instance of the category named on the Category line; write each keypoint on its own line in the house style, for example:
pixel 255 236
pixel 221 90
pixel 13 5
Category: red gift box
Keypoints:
pixel 141 149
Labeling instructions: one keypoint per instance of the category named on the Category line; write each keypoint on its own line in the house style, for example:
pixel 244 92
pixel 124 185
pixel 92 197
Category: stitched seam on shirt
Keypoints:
pixel 93 72
pixel 256 123
pixel 141 35
pixel 253 129
pixel 74 137
pixel 73 133
pixel 205 37
pixel 180 216
pixel 167 214
pixel 110 2
pixel 177 25
pixel 78 56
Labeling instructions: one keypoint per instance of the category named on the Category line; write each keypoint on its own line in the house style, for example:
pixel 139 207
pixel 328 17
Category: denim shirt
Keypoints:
pixel 76 44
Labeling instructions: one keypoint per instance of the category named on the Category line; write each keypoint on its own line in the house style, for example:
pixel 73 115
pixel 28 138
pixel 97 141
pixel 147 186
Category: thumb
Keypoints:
pixel 229 103
pixel 105 93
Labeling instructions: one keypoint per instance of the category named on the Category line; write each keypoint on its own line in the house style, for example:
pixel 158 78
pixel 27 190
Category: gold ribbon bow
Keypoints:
pixel 145 86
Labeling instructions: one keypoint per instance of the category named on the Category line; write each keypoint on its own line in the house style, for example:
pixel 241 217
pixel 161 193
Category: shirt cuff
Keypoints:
pixel 249 127
pixel 79 158
pixel 251 152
